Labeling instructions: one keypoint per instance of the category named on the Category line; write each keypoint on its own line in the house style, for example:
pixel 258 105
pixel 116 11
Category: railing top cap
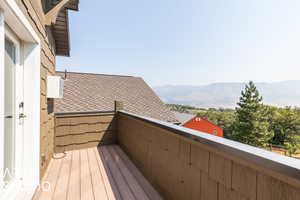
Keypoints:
pixel 85 112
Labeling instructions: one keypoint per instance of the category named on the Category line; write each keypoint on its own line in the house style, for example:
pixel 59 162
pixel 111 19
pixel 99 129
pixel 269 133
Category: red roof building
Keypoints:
pixel 198 123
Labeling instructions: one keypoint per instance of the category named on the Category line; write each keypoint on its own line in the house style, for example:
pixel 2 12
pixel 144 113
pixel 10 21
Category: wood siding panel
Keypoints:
pixel 269 188
pixel 209 188
pixel 76 132
pixel 220 169
pixel 199 158
pixel 244 180
pixel 229 194
pixel 181 168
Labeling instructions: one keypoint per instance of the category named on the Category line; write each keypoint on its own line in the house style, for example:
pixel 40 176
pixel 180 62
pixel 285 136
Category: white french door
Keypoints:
pixel 20 54
pixel 13 111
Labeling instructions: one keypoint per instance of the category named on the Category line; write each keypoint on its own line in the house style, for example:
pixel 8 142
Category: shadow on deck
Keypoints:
pixel 103 172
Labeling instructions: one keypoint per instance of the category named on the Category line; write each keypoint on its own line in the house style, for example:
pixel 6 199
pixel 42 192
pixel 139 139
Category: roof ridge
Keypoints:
pixel 97 74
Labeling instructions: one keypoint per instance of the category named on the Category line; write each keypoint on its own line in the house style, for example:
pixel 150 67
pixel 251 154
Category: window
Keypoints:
pixel 9 110
pixel 215 132
pixel 198 119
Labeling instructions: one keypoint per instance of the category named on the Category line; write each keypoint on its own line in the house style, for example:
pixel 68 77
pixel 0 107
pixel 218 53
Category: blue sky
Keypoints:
pixel 187 42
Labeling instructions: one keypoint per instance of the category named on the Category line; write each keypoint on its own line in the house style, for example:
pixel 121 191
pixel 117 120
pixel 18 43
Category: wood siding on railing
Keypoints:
pixel 76 131
pixel 181 168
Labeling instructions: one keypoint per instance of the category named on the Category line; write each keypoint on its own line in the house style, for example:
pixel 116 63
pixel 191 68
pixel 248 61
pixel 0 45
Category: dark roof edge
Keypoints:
pixel 90 73
pixel 278 163
pixel 84 112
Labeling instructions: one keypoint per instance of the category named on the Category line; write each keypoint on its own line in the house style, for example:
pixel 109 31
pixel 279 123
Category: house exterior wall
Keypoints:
pixel 33 11
pixel 180 167
pixel 200 124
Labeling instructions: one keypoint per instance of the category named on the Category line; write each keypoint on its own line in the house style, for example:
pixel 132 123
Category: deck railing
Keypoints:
pixel 186 164
pixel 77 130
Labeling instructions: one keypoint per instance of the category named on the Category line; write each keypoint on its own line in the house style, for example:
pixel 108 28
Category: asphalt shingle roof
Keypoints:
pixel 183 117
pixel 93 92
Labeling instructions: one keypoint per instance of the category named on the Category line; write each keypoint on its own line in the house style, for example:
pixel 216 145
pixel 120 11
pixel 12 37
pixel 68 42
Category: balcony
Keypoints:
pixel 161 160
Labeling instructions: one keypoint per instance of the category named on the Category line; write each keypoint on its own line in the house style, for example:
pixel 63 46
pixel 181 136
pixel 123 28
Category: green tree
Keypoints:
pixel 251 124
pixel 286 126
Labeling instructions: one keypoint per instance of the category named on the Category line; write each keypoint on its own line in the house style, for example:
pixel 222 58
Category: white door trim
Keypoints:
pixel 2 89
pixel 18 21
pixel 12 15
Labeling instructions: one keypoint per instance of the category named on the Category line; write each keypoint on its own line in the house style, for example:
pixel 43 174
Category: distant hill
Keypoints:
pixel 226 95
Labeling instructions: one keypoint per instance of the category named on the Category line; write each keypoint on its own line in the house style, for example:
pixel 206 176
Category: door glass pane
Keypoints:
pixel 9 111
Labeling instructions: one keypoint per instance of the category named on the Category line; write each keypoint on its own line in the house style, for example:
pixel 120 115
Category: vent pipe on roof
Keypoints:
pixel 118 106
pixel 65 78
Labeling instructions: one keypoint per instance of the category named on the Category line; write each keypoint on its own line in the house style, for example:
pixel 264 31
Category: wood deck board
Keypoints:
pixel 63 178
pixel 133 184
pixel 52 180
pixel 97 181
pixel 38 192
pixel 96 173
pixel 86 187
pixel 74 182
pixel 110 185
pixel 147 187
pixel 124 190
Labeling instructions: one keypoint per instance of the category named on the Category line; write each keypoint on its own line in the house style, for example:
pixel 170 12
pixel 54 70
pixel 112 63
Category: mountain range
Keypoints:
pixel 226 95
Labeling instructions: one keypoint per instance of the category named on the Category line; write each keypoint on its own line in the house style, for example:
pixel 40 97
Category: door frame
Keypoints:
pixel 11 15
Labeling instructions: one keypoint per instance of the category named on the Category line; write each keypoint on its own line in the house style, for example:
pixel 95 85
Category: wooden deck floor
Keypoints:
pixel 103 173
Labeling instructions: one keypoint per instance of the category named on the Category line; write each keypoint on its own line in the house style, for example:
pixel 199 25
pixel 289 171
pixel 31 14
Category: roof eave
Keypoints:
pixel 60 29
